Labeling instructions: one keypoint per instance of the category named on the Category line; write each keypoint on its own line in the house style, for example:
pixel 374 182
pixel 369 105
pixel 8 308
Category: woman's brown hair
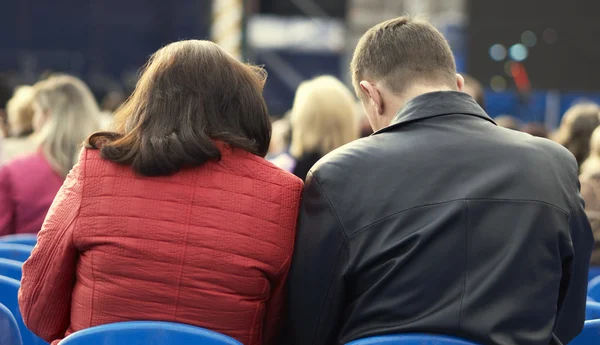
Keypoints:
pixel 190 94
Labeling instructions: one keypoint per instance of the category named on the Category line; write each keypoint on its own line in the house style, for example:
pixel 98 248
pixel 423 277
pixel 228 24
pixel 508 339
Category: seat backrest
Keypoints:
pixel 594 272
pixel 594 289
pixel 27 239
pixel 411 339
pixel 9 330
pixel 592 310
pixel 589 335
pixel 13 251
pixel 9 290
pixel 10 268
pixel 147 332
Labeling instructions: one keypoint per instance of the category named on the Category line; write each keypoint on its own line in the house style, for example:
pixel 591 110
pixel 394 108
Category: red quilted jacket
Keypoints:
pixel 209 246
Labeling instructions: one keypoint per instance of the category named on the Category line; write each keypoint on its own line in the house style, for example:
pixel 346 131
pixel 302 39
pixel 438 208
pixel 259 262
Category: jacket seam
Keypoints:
pixel 337 217
pixel 464 291
pixel 187 235
pixel 455 200
pixel 346 243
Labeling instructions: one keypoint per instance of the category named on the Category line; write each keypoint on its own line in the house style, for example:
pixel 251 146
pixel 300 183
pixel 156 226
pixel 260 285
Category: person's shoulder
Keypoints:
pixel 348 158
pixel 261 168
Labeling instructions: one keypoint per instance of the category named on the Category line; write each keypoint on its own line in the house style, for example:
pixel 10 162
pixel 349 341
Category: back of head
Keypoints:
pixel 401 52
pixel 323 117
pixel 190 94
pixel 66 113
pixel 576 128
pixel 19 111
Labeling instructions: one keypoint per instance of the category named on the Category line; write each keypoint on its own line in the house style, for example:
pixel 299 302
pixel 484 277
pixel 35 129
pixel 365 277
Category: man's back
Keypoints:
pixel 442 223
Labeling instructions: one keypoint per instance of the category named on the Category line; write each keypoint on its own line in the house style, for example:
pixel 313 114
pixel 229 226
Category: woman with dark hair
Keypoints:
pixel 175 216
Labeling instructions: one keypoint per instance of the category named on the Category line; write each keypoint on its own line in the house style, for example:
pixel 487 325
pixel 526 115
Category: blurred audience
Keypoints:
pixel 576 128
pixel 363 121
pixel 65 113
pixel 535 129
pixel 323 118
pixel 590 190
pixel 507 121
pixel 175 216
pixel 20 111
pixel 280 144
pixel 474 89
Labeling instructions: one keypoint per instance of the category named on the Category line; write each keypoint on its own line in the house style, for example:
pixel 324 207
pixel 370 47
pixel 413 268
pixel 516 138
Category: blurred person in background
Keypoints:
pixel 576 128
pixel 20 111
pixel 507 121
pixel 535 129
pixel 323 118
pixel 175 216
pixel 474 89
pixel 427 225
pixel 590 190
pixel 279 149
pixel 65 113
pixel 5 94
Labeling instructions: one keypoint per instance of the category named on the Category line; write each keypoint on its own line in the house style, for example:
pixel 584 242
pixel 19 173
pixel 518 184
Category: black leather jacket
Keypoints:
pixel 442 223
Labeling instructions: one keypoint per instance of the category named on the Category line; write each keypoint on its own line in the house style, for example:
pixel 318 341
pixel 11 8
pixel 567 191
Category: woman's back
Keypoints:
pixel 209 246
pixel 27 187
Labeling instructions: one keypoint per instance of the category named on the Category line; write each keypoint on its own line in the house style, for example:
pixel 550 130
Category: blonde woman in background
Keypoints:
pixel 323 118
pixel 65 113
pixel 19 111
pixel 576 129
pixel 590 191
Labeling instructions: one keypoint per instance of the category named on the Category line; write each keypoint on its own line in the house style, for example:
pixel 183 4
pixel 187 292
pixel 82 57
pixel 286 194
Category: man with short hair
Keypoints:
pixel 441 221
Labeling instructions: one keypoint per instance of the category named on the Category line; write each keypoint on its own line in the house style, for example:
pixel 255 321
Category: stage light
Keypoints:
pixel 518 52
pixel 498 52
pixel 498 83
pixel 529 38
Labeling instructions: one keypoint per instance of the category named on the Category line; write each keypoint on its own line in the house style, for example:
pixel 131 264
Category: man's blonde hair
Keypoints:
pixel 323 117
pixel 401 51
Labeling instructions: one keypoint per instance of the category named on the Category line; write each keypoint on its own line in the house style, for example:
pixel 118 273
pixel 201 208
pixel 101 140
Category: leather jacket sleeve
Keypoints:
pixel 316 280
pixel 576 262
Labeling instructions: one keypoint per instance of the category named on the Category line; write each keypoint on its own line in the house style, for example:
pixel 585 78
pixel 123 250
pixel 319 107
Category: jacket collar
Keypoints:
pixel 437 104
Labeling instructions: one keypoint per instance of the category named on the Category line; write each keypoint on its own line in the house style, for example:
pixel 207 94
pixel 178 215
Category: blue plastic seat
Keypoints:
pixel 9 289
pixel 10 268
pixel 411 339
pixel 27 239
pixel 9 331
pixel 590 334
pixel 147 332
pixel 594 272
pixel 592 310
pixel 594 289
pixel 12 251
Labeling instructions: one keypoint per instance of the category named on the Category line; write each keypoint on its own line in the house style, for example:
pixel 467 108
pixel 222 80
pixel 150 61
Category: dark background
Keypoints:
pixel 333 8
pixel 570 64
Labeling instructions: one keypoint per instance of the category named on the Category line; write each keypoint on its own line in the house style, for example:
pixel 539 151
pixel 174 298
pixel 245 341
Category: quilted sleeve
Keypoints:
pixel 49 273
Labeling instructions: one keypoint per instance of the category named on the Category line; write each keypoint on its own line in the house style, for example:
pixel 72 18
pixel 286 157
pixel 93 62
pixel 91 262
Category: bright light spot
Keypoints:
pixel 498 52
pixel 550 36
pixel 518 52
pixel 498 83
pixel 529 38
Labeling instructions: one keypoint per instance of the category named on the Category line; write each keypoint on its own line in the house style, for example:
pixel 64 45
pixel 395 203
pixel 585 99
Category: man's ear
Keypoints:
pixel 371 92
pixel 460 82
